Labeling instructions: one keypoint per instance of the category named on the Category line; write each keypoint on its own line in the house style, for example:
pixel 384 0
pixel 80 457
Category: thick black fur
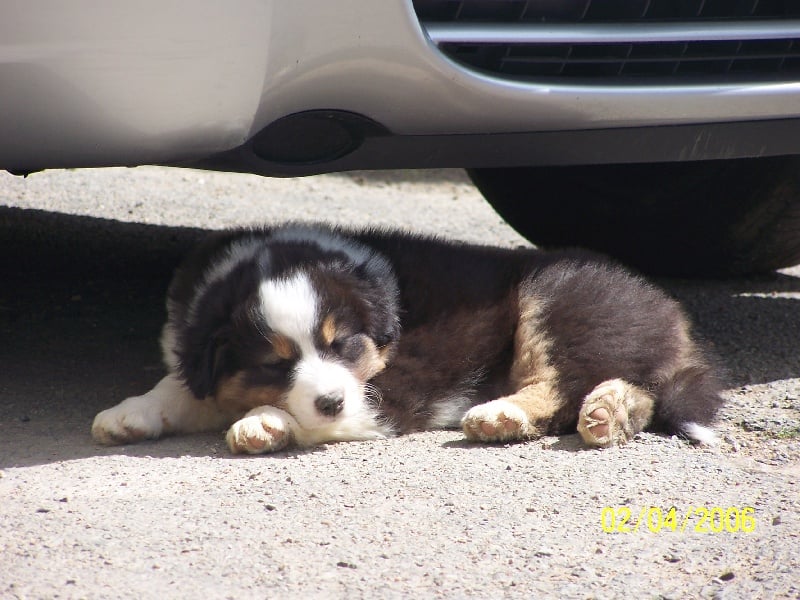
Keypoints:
pixel 604 321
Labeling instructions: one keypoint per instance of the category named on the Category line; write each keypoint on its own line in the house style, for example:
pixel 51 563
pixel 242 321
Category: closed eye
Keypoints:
pixel 349 347
pixel 338 344
pixel 275 362
pixel 270 372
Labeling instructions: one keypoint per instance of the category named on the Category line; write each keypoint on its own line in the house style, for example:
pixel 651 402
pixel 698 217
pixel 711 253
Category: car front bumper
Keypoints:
pixel 165 82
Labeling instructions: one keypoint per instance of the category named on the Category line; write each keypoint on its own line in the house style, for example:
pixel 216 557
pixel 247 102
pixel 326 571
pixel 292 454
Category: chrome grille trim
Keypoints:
pixel 552 33
pixel 604 11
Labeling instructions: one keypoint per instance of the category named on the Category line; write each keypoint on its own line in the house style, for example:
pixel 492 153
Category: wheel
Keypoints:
pixel 719 218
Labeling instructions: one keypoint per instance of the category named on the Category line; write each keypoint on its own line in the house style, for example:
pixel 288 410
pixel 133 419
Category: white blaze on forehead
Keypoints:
pixel 289 306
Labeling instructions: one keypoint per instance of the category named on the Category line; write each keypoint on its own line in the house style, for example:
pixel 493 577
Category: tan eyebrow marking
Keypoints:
pixel 328 330
pixel 283 347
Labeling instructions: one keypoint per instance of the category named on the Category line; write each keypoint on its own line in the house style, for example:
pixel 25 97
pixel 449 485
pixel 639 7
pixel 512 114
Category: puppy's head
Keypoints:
pixel 302 323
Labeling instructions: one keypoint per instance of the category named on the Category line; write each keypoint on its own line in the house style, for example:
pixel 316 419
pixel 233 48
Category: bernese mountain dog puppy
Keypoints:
pixel 304 334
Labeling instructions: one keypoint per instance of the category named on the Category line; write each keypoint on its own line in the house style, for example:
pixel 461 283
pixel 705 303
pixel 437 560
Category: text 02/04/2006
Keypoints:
pixel 701 519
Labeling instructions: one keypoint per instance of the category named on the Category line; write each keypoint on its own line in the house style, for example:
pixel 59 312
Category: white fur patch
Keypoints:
pixel 449 413
pixel 700 434
pixel 289 306
pixel 169 344
pixel 314 377
pixel 361 427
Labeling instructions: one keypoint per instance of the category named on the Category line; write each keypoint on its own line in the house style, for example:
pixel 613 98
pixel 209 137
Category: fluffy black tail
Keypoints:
pixel 687 402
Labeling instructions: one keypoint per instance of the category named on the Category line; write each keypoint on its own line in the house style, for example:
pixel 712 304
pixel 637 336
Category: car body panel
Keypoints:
pixel 168 82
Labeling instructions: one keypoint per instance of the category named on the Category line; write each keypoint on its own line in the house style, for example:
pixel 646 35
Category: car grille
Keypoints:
pixel 623 41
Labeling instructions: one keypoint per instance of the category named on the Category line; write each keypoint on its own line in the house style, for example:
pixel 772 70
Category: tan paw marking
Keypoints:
pixel 603 419
pixel 257 434
pixel 495 421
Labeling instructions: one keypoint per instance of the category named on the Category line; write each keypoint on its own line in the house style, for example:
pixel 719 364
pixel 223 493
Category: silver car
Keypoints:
pixel 665 132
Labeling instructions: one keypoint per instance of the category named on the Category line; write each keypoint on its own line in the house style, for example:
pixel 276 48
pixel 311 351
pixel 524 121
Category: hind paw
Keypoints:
pixel 603 418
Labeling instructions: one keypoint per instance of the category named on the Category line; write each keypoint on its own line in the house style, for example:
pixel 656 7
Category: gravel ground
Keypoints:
pixel 86 258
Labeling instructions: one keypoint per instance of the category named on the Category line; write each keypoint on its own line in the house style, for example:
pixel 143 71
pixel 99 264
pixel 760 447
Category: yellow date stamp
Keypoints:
pixel 700 519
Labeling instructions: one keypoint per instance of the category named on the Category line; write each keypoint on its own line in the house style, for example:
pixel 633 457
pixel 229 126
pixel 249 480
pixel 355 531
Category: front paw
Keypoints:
pixel 265 429
pixel 132 420
pixel 496 421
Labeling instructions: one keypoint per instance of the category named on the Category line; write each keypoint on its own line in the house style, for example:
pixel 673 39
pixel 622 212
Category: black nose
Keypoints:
pixel 331 404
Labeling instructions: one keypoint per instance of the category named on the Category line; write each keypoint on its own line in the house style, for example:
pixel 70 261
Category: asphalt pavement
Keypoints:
pixel 85 257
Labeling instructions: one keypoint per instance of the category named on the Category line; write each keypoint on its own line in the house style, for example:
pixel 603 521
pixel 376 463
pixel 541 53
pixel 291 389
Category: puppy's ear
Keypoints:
pixel 206 333
pixel 388 328
pixel 203 362
pixel 381 293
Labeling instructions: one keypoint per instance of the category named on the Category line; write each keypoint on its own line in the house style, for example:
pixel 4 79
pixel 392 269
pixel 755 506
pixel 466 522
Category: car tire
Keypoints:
pixel 710 218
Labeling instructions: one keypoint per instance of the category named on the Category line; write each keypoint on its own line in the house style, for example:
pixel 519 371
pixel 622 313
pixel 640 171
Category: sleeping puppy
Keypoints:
pixel 302 335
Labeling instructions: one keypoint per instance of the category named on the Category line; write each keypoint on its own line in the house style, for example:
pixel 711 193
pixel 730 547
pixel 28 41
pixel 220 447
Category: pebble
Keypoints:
pixel 732 443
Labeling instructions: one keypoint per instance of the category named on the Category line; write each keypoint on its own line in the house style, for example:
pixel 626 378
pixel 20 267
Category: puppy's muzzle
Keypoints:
pixel 330 404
